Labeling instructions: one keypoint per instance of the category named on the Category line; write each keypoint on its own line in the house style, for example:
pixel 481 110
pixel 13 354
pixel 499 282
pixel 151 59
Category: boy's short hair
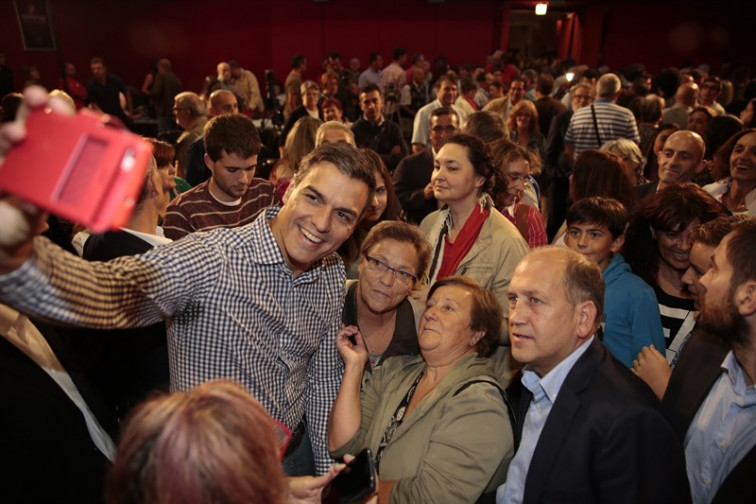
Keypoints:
pixel 601 211
pixel 232 134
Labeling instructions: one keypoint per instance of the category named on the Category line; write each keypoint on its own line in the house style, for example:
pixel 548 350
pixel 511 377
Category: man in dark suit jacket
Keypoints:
pixel 710 397
pixel 413 174
pixel 588 429
pixel 49 453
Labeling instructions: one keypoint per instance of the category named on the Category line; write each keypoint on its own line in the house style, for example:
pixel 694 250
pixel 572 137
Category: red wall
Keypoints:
pixel 263 34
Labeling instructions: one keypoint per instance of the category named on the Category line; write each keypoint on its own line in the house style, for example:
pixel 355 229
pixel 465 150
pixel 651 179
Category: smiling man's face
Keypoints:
pixel 318 215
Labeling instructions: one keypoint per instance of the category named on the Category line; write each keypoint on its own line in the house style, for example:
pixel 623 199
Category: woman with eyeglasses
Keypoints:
pixel 513 170
pixel 436 423
pixel 468 236
pixel 393 259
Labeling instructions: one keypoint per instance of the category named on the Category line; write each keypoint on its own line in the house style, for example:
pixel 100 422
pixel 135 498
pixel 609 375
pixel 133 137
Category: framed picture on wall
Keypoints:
pixel 35 23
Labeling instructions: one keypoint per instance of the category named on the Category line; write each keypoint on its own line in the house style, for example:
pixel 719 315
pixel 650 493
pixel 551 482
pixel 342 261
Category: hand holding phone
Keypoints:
pixel 355 482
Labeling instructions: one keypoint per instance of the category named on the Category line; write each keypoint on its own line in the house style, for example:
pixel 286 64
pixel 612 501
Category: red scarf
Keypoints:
pixel 472 103
pixel 455 252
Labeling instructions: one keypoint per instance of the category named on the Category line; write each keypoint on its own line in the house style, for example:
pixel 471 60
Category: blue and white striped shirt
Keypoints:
pixel 614 122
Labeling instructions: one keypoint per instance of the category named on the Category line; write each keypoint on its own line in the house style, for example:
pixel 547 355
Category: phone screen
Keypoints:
pixel 355 482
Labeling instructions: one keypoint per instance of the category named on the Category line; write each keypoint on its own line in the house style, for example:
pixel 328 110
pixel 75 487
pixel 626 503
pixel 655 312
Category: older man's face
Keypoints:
pixel 543 324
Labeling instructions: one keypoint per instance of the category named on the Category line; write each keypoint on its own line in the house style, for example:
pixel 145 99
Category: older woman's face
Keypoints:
pixel 385 272
pixel 167 173
pixel 310 98
pixel 743 159
pixel 332 113
pixel 445 332
pixel 454 179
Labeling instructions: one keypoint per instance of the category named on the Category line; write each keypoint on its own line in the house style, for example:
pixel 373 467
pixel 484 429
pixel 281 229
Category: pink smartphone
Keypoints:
pixel 86 168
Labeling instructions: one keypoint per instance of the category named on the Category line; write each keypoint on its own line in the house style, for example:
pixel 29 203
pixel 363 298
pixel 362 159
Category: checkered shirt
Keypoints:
pixel 233 311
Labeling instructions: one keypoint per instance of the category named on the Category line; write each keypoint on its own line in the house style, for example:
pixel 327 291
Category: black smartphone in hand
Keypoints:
pixel 355 482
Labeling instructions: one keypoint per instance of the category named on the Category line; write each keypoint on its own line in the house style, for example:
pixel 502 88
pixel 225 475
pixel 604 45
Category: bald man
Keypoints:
pixel 680 160
pixel 685 100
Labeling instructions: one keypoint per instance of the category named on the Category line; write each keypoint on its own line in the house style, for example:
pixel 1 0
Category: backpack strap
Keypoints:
pixel 505 398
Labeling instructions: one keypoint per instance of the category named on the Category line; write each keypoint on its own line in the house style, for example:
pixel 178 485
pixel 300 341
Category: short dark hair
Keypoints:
pixel 297 61
pixel 444 111
pixel 402 232
pixel 334 55
pixel 716 80
pixel 441 80
pixel 234 64
pixel 232 134
pixel 545 84
pixel 374 56
pixel 467 85
pixel 486 313
pixel 399 52
pixel 606 212
pixel 712 232
pixel 369 88
pixel 347 159
pixel 97 59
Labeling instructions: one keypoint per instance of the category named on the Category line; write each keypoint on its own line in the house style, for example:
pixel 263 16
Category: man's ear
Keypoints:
pixel 287 194
pixel 745 298
pixel 588 318
pixel 209 163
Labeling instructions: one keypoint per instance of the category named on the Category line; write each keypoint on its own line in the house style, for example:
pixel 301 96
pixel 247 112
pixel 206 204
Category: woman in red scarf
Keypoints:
pixel 468 235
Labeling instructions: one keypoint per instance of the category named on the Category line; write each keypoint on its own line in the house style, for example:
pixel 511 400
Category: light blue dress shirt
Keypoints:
pixel 545 391
pixel 722 432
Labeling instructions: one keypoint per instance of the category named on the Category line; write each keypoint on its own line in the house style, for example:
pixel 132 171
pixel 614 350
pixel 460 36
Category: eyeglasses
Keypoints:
pixel 381 267
pixel 444 129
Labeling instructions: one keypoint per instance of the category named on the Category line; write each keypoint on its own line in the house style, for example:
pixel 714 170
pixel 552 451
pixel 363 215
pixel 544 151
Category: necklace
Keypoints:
pixel 380 338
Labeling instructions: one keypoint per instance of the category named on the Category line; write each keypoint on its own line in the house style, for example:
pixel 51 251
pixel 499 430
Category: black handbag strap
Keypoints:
pixel 595 125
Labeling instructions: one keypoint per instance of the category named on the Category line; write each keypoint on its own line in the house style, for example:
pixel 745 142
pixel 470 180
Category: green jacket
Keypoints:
pixel 452 446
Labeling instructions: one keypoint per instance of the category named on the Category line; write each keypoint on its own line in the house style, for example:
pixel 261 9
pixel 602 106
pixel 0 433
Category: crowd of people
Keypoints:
pixel 511 284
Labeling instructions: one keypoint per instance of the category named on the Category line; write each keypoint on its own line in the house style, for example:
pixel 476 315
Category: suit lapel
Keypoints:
pixel 559 423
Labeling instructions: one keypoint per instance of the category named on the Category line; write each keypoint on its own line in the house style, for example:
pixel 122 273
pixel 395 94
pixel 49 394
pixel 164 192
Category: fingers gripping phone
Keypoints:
pixel 85 168
pixel 355 482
